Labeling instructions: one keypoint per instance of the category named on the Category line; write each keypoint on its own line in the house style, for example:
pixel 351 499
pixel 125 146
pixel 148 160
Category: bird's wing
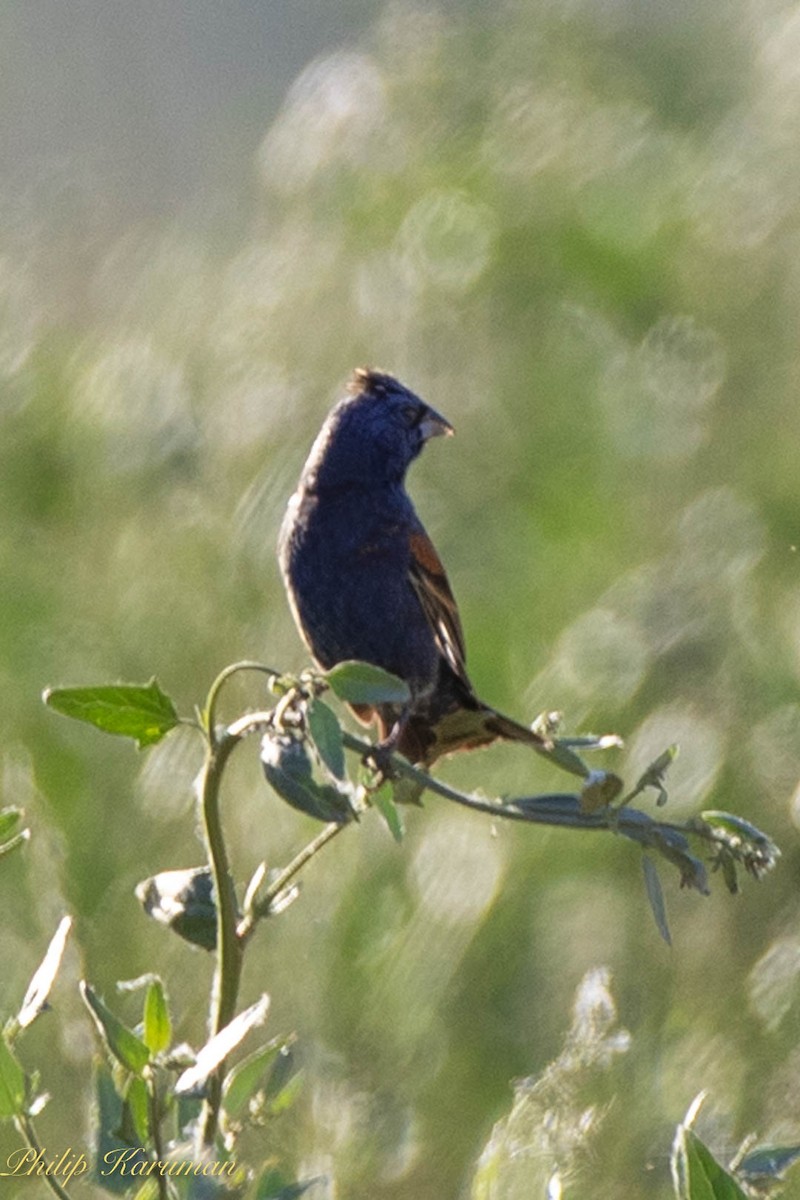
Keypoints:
pixel 430 583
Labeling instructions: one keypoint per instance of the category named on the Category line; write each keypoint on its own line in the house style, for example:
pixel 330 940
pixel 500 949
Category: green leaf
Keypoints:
pixel 110 1116
pixel 326 734
pixel 364 683
pixel 656 897
pixel 183 901
pixel 148 1191
pixel 696 1173
pixel 137 1102
pixel 285 1097
pixel 14 843
pixel 242 1082
pixel 138 711
pixel 273 1186
pixel 9 819
pixel 287 768
pixel 44 977
pixel 122 1042
pixel 384 802
pixel 193 1080
pixel 157 1025
pixel 12 1084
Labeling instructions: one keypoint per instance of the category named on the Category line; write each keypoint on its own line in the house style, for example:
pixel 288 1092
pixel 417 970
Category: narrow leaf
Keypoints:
pixel 157 1025
pixel 285 1097
pixel 44 977
pixel 273 1186
pixel 656 897
pixel 15 842
pixel 326 734
pixel 384 802
pixel 364 683
pixel 122 1042
pixel 9 819
pixel 138 1105
pixel 12 1083
pixel 242 1082
pixel 767 1163
pixel 148 1191
pixel 140 711
pixel 215 1051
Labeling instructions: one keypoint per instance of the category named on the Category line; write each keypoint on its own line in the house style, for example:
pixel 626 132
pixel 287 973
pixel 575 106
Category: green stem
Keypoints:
pixel 25 1127
pixel 248 923
pixel 155 1132
pixel 228 970
pixel 216 687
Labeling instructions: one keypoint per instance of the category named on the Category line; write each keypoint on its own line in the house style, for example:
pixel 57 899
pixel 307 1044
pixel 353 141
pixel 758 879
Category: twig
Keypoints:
pixel 248 922
pixel 25 1127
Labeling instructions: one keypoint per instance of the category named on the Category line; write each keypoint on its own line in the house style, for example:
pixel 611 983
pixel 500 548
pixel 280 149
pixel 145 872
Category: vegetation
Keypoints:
pixel 573 230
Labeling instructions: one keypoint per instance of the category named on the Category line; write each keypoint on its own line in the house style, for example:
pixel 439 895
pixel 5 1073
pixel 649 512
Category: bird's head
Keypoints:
pixel 373 434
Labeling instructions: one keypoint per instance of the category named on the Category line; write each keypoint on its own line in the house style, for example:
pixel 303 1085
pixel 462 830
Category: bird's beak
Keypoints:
pixel 433 424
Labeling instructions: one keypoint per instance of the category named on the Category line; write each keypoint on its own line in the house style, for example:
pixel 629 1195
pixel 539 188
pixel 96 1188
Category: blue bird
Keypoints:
pixel 364 580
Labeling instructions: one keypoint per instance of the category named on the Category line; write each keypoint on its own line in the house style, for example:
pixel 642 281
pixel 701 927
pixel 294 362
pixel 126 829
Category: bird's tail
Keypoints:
pixel 463 728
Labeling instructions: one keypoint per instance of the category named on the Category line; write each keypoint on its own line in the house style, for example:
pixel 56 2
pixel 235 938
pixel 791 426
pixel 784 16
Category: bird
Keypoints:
pixel 364 580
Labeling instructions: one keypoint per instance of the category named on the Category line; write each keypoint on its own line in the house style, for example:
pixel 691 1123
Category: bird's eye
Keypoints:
pixel 411 414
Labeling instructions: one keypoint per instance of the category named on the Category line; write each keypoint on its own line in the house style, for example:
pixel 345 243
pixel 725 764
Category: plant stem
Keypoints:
pixel 228 969
pixel 155 1131
pixel 248 923
pixel 216 687
pixel 25 1127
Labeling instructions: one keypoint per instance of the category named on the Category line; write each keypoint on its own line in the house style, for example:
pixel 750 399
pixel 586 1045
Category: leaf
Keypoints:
pixel 767 1163
pixel 273 1186
pixel 9 819
pixel 15 842
pixel 184 902
pixel 564 756
pixel 656 897
pixel 654 775
pixel 287 768
pixel 707 1180
pixel 109 1116
pixel 600 790
pixel 326 734
pixel 696 1174
pixel 285 1097
pixel 39 987
pixel 140 711
pixel 384 802
pixel 157 1025
pixel 242 1082
pixel 148 1191
pixel 364 683
pixel 137 1102
pixel 122 1042
pixel 193 1080
pixel 12 1083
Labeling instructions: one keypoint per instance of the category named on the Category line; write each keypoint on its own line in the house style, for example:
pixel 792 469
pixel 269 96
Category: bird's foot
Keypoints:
pixel 380 756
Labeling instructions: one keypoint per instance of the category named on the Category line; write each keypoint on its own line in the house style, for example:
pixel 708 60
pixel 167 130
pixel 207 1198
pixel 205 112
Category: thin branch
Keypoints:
pixel 281 881
pixel 25 1127
pixel 222 678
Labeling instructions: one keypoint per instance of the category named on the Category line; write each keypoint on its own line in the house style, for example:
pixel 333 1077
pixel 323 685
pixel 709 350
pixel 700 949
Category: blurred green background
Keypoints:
pixel 573 227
